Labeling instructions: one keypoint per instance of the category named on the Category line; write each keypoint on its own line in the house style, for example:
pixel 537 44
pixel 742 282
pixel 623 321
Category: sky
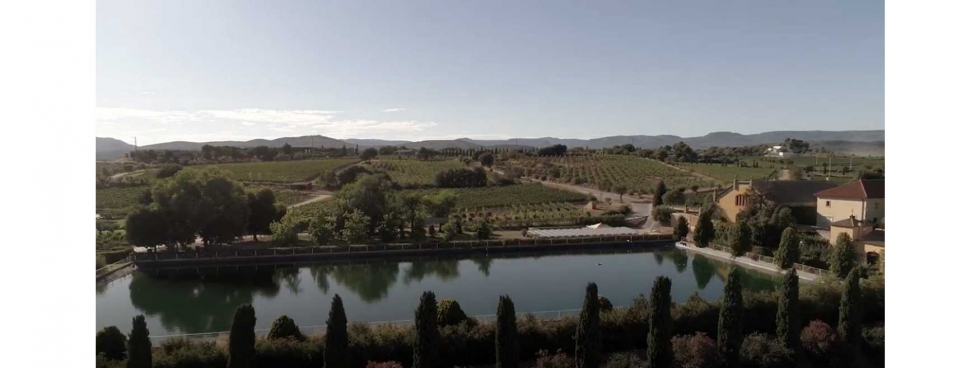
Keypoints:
pixel 413 70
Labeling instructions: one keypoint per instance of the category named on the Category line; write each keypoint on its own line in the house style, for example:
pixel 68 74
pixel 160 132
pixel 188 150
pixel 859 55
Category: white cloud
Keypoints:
pixel 247 123
pixel 397 109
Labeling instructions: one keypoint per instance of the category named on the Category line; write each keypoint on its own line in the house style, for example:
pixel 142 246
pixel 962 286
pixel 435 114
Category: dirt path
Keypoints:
pixel 695 173
pixel 321 196
pixel 121 175
pixel 640 206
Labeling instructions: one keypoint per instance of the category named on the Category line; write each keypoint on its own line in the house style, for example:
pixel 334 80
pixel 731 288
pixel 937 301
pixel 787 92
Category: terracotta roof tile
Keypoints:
pixel 859 189
pixel 792 191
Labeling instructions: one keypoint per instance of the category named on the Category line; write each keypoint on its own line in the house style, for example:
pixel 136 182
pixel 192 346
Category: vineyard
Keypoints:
pixel 113 202
pixel 638 175
pixel 279 171
pixel 414 173
pixel 728 173
pixel 508 195
pixel 530 215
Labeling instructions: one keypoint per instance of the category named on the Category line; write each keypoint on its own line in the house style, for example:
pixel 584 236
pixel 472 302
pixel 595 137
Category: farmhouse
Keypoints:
pixel 868 241
pixel 796 194
pixel 779 151
pixel 863 200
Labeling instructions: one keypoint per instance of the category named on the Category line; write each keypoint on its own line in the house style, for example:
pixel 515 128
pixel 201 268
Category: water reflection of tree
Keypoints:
pixel 289 276
pixel 444 269
pixel 703 269
pixel 483 264
pixel 680 260
pixel 199 303
pixel 659 257
pixel 321 277
pixel 369 281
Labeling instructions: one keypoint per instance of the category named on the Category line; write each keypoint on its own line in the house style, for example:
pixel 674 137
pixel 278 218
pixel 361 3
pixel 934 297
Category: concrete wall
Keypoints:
pixel 875 209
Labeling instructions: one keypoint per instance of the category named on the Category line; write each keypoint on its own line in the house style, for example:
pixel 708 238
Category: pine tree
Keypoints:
pixel 789 248
pixel 788 312
pixel 730 322
pixel 659 352
pixel 588 341
pixel 849 324
pixel 704 234
pixel 425 352
pixel 681 229
pixel 335 352
pixel 241 339
pixel 140 348
pixel 844 257
pixel 506 339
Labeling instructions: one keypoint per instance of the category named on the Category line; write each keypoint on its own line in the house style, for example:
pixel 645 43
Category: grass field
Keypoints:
pixel 414 173
pixel 508 195
pixel 279 171
pixel 728 173
pixel 638 175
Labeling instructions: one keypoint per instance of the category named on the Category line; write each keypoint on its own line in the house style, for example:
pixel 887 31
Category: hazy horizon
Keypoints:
pixel 223 70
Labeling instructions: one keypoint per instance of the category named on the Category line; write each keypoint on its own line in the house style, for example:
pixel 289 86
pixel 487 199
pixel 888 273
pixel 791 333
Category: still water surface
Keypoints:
pixel 198 301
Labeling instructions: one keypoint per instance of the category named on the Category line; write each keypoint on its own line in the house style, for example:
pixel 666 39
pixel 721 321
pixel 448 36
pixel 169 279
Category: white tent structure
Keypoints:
pixel 582 232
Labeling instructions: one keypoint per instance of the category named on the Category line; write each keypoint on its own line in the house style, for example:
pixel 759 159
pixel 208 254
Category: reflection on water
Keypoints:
pixel 203 300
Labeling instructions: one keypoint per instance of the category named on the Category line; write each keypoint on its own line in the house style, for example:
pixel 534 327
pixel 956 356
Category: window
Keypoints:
pixel 876 205
pixel 828 203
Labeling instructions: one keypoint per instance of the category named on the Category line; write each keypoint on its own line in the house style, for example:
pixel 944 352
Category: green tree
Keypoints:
pixel 588 340
pixel 704 233
pixel 681 229
pixel 659 352
pixel 241 339
pixel 111 342
pixel 146 227
pixel 262 212
pixel 356 226
pixel 425 351
pixel 788 312
pixel 335 343
pixel 730 321
pixel 449 313
pixel 741 239
pixel 451 229
pixel 604 186
pixel 658 194
pixel 484 230
pixel 789 249
pixel 284 232
pixel 321 228
pixel 674 197
pixel 368 154
pixel 620 189
pixel 486 159
pixel 849 322
pixel 284 328
pixel 140 347
pixel 507 345
pixel 844 257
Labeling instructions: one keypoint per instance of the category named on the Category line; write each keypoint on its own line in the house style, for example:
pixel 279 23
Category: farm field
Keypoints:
pixel 279 171
pixel 638 175
pixel 414 173
pixel 838 161
pixel 528 215
pixel 508 195
pixel 728 173
pixel 112 203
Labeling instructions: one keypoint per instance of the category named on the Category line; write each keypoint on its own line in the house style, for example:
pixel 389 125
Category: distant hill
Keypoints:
pixel 860 142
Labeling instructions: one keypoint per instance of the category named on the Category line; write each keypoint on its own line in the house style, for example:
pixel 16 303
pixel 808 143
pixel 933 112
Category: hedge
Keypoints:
pixel 473 344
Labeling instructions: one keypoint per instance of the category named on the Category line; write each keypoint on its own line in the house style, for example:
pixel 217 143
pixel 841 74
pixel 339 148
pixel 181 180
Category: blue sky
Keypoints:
pixel 214 70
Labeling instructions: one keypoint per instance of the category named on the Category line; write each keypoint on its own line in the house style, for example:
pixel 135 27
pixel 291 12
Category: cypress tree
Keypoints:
pixel 730 322
pixel 849 324
pixel 588 340
pixel 425 352
pixel 789 248
pixel 844 257
pixel 506 341
pixel 659 352
pixel 705 231
pixel 788 312
pixel 658 194
pixel 335 353
pixel 241 339
pixel 140 348
pixel 681 229
pixel 742 239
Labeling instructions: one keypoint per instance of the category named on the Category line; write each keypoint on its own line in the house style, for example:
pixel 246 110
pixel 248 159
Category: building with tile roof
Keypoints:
pixel 863 199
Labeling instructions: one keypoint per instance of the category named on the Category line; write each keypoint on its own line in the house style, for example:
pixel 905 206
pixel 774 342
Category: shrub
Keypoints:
pixel 288 352
pixel 110 342
pixel 874 344
pixel 556 360
pixel 604 304
pixel 450 313
pixel 763 351
pixel 241 338
pixel 283 328
pixel 695 351
pixel 184 353
pixel 820 343
pixel 662 214
pixel 625 360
